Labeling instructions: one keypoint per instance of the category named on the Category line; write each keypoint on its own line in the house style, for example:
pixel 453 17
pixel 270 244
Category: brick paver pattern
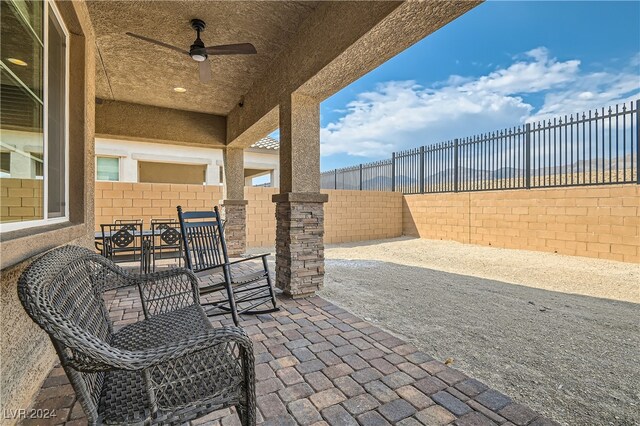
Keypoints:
pixel 317 364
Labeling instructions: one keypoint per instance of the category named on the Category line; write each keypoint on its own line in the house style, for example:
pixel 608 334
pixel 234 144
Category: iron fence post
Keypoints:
pixel 360 176
pixel 527 154
pixel 422 169
pixel 456 168
pixel 393 172
pixel 335 179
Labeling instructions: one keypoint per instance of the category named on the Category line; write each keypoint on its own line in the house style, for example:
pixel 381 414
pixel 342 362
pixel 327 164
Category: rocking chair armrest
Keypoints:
pixel 244 259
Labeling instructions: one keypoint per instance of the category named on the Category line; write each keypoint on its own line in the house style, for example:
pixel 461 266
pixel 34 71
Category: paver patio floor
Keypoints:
pixel 318 364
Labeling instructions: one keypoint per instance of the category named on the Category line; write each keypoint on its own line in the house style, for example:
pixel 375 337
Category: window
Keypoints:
pixel 33 114
pixel 108 168
pixel 5 164
pixel 56 117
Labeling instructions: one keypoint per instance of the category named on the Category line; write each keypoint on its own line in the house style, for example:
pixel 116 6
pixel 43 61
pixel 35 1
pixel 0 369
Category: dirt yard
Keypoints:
pixel 558 333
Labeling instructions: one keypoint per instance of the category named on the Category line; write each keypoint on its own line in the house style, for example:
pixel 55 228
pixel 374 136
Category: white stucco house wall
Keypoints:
pixel 134 161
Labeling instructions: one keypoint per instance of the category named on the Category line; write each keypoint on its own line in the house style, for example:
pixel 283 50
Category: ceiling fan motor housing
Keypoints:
pixel 197 50
pixel 198 25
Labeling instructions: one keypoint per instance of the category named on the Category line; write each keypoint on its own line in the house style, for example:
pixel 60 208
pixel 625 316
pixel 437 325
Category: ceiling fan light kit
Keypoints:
pixel 199 52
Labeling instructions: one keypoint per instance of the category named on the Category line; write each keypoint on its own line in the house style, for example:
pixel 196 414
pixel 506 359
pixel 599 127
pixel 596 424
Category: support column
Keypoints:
pixel 234 206
pixel 274 175
pixel 299 206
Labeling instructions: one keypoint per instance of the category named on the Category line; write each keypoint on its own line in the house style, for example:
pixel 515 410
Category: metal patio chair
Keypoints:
pixel 169 368
pixel 205 250
pixel 123 242
pixel 129 222
pixel 166 240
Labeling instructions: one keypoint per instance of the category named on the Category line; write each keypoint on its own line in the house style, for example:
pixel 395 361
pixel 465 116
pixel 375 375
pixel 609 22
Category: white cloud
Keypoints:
pixel 594 90
pixel 402 114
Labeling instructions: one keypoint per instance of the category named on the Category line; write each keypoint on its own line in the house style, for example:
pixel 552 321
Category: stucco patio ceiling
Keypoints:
pixel 309 48
pixel 134 71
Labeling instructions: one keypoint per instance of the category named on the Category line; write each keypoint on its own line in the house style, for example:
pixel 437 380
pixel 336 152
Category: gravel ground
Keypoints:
pixel 558 333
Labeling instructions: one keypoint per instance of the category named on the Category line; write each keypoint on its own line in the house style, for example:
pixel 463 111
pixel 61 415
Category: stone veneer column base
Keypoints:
pixel 299 243
pixel 234 212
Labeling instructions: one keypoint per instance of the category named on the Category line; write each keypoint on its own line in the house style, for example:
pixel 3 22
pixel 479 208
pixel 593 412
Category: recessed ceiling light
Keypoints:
pixel 15 61
pixel 179 89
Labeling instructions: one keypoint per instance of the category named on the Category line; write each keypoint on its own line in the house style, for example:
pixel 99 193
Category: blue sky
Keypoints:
pixel 501 64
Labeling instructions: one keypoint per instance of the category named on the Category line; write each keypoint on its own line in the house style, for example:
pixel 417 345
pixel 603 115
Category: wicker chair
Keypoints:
pixel 169 368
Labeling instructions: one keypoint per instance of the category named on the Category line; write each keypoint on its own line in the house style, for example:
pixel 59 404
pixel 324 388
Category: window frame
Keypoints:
pixel 117 157
pixel 50 6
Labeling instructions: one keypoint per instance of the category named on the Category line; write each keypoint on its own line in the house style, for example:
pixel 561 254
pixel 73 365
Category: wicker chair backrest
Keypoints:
pixel 62 292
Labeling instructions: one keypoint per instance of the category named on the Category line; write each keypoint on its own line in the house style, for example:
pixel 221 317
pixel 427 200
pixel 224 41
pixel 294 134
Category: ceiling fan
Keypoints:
pixel 199 53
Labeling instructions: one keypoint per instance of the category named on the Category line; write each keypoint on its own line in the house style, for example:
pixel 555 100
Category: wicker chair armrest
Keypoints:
pixel 100 356
pixel 166 291
pixel 217 361
pixel 159 275
pixel 192 344
pixel 110 275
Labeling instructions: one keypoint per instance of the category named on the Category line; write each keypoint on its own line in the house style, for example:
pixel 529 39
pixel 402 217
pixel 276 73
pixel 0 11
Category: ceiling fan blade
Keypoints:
pixel 205 71
pixel 232 49
pixel 159 43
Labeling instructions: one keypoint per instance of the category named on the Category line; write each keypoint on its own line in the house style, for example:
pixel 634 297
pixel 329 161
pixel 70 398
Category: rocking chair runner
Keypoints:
pixel 205 249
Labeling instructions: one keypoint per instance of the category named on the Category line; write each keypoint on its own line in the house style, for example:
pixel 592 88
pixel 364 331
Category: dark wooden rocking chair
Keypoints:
pixel 205 249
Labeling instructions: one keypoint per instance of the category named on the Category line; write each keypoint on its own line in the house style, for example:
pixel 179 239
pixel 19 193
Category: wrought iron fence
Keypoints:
pixel 597 147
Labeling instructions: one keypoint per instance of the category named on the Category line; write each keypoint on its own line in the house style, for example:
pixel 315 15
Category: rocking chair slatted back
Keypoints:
pixel 205 247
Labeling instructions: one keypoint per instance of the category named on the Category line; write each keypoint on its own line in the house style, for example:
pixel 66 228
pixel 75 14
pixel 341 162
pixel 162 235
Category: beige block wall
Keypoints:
pixel 146 201
pixel 437 216
pixel 20 199
pixel 362 215
pixel 348 216
pixel 599 221
pixel 261 216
